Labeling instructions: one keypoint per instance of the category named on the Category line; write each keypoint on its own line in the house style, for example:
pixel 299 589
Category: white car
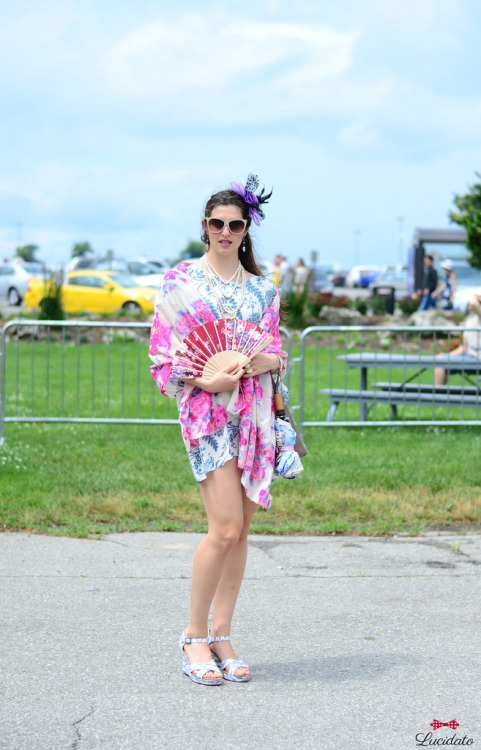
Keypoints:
pixel 14 280
pixel 143 273
pixel 353 278
pixel 160 266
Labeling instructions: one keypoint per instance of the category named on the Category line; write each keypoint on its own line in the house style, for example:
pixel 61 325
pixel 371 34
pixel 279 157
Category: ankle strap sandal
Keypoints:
pixel 229 667
pixel 200 667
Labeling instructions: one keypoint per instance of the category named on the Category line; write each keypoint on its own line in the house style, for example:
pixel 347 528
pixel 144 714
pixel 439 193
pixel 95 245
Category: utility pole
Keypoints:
pixel 400 239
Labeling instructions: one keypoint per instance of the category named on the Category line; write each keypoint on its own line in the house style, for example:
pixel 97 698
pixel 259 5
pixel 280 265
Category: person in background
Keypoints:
pixel 430 283
pixel 301 274
pixel 276 269
pixel 280 268
pixel 284 270
pixel 447 288
pixel 470 348
pixel 475 304
pixel 365 278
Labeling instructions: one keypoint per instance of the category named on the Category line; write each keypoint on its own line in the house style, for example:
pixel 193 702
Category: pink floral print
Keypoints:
pixel 218 426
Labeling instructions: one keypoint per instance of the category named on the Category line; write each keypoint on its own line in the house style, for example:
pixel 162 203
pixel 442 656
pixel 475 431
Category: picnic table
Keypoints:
pixel 404 392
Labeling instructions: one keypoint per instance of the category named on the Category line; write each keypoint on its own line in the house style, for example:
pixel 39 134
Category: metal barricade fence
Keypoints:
pixel 81 371
pixel 375 376
pixel 98 372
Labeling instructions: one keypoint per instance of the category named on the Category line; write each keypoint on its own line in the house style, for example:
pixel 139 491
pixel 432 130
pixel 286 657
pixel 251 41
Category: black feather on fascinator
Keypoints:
pixel 249 195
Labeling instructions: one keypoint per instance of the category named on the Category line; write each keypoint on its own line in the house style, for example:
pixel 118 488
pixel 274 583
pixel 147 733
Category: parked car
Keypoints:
pixel 468 282
pixel 97 292
pixel 337 278
pixel 34 267
pixel 361 276
pixel 160 266
pixel 318 280
pixel 142 272
pixel 14 278
pixel 399 279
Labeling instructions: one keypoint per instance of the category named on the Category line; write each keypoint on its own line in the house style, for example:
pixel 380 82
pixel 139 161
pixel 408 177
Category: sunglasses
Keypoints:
pixel 216 226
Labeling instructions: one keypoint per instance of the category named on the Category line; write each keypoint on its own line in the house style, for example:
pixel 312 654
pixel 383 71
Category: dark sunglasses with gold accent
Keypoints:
pixel 216 226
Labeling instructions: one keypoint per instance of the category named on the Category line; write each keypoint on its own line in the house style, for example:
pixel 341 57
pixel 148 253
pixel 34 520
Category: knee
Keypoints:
pixel 227 537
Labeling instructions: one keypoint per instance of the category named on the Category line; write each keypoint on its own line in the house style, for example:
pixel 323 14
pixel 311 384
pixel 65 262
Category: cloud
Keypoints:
pixel 219 65
pixel 118 119
pixel 356 137
pixel 413 16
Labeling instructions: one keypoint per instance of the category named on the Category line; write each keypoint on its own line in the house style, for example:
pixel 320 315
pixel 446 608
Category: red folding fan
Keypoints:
pixel 214 345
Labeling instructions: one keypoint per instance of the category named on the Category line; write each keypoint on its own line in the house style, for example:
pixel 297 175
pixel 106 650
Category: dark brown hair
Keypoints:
pixel 231 198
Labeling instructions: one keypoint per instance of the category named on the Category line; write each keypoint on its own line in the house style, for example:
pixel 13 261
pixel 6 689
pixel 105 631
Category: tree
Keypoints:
pixel 27 253
pixel 81 248
pixel 193 249
pixel 468 216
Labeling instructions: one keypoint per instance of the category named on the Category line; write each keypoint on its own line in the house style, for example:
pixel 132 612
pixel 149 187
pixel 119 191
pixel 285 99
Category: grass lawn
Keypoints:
pixel 81 480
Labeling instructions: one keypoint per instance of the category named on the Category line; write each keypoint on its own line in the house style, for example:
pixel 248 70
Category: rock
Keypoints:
pixel 397 318
pixel 429 319
pixel 28 332
pixel 341 316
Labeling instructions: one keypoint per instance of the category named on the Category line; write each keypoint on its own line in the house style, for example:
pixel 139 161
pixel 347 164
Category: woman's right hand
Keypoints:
pixel 224 380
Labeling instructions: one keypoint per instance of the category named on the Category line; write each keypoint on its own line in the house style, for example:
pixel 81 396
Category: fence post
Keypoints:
pixel 2 386
pixel 301 380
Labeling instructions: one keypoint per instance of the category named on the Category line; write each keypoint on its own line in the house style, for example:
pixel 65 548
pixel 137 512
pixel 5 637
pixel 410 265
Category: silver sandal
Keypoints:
pixel 200 667
pixel 228 667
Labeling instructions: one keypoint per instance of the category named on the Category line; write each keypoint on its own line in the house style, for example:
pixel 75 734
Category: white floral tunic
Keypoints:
pixel 218 426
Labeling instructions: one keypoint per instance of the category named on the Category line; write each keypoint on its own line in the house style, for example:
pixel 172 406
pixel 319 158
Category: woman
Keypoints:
pixel 470 348
pixel 301 274
pixel 447 288
pixel 227 420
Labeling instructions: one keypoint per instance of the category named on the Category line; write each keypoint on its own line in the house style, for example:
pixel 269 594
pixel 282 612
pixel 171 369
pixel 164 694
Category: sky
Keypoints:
pixel 119 120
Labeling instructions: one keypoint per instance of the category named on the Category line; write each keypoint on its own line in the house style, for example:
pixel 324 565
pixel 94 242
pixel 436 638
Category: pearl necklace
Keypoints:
pixel 217 274
pixel 224 285
pixel 218 291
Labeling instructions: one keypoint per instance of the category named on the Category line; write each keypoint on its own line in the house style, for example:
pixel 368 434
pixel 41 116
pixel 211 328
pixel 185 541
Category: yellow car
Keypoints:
pixel 96 292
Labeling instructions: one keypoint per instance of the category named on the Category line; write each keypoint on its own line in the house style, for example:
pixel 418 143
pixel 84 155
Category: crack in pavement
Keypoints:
pixel 74 744
pixel 285 574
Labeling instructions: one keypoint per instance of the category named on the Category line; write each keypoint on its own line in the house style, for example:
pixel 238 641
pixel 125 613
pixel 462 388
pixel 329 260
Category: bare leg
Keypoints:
pixel 228 589
pixel 223 499
pixel 440 374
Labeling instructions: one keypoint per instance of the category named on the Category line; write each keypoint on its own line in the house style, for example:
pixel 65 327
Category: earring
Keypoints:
pixel 244 245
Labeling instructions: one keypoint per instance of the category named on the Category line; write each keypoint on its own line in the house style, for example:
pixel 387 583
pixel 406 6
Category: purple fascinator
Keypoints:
pixel 253 201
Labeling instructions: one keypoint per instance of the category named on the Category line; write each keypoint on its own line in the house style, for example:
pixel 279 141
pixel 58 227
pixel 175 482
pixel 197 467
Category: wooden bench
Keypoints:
pixel 395 398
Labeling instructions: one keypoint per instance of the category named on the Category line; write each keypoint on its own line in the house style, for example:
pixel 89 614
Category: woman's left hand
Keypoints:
pixel 261 363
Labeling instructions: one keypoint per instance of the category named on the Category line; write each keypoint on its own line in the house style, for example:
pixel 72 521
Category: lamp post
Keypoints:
pixel 400 238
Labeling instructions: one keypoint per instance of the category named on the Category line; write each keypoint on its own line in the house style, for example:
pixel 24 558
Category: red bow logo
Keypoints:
pixel 435 724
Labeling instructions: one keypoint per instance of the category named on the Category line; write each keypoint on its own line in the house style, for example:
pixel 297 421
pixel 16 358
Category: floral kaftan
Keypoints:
pixel 218 426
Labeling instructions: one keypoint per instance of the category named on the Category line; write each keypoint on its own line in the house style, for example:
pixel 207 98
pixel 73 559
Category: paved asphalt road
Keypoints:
pixel 354 643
